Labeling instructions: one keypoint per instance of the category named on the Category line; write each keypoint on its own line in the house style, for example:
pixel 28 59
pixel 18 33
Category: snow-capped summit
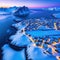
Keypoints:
pixel 22 12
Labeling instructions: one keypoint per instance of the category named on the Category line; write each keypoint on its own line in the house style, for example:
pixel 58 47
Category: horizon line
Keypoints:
pixel 30 7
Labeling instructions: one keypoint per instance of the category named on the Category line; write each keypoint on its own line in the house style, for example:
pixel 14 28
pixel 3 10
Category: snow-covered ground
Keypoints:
pixel 57 15
pixel 19 40
pixel 2 12
pixel 19 26
pixel 10 54
pixel 38 33
pixel 36 53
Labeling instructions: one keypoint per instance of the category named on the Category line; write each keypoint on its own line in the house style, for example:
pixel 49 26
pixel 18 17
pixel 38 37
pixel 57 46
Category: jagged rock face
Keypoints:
pixel 22 12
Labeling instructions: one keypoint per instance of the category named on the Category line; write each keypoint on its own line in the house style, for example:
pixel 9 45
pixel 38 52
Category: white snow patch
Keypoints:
pixel 10 54
pixel 19 39
pixel 35 53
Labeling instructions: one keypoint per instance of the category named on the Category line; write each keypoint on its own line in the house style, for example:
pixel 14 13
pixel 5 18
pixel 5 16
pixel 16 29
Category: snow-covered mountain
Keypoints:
pixel 22 11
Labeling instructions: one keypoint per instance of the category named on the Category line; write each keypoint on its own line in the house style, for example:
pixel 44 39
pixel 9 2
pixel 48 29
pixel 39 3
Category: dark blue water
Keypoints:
pixel 5 25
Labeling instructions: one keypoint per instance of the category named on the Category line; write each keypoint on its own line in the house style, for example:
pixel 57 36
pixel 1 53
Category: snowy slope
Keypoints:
pixel 10 54
pixel 36 53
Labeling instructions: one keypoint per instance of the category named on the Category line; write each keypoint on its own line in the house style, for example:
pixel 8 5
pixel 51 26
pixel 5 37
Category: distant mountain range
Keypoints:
pixel 10 9
pixel 15 7
pixel 17 11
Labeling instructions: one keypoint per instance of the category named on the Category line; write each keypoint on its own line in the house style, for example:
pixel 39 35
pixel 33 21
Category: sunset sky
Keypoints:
pixel 30 3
